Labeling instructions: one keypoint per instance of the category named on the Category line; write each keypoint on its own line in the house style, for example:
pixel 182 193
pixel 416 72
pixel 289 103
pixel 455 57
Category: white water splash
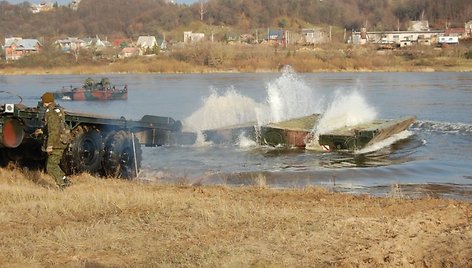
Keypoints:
pixel 288 97
pixel 200 141
pixel 444 127
pixel 386 142
pixel 245 142
pixel 228 109
pixel 345 110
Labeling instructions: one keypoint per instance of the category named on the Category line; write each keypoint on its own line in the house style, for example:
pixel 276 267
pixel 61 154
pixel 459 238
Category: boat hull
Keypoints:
pixel 92 95
pixel 363 135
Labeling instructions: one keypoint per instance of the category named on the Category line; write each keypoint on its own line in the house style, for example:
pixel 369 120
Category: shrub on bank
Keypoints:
pixel 468 54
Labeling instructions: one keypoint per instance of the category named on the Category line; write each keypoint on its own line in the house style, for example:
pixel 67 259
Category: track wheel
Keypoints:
pixel 85 152
pixel 122 157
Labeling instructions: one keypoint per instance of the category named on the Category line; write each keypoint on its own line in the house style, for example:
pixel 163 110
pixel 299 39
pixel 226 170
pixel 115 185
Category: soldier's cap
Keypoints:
pixel 47 97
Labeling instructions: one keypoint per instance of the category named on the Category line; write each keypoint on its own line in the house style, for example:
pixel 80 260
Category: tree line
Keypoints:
pixel 131 18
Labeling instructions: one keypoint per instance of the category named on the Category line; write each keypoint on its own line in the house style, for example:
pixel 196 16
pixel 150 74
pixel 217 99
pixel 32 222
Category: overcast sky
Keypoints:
pixel 62 2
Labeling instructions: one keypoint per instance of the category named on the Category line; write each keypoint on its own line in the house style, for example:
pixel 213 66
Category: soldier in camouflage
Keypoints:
pixel 56 138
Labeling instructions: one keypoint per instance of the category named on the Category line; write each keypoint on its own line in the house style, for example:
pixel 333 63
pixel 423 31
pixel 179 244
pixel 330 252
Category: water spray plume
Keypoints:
pixel 386 142
pixel 345 110
pixel 222 110
pixel 289 97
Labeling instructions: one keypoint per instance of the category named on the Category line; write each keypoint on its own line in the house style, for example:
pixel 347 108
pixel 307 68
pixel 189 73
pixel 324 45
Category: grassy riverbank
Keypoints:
pixel 115 223
pixel 206 58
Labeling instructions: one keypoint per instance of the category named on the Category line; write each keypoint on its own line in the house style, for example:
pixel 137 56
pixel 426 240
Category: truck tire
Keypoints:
pixel 123 156
pixel 85 152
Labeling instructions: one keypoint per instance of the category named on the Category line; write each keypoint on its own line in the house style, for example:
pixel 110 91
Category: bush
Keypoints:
pixel 468 55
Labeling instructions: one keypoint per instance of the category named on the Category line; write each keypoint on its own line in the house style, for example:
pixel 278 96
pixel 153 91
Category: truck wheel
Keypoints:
pixel 85 152
pixel 122 156
pixel 4 159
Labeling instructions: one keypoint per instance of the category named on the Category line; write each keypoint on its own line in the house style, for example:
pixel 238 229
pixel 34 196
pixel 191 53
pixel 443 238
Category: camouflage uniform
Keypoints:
pixel 56 132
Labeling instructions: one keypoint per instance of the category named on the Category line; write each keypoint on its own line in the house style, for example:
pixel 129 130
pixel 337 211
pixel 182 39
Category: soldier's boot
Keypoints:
pixel 64 182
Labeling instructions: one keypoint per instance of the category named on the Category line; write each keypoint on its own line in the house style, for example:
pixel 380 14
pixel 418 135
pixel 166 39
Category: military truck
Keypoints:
pixel 98 144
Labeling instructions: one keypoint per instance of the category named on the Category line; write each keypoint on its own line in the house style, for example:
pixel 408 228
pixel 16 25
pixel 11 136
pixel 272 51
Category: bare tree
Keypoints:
pixel 202 9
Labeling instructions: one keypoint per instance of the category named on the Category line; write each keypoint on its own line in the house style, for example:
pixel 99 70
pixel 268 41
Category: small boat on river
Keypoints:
pixel 89 91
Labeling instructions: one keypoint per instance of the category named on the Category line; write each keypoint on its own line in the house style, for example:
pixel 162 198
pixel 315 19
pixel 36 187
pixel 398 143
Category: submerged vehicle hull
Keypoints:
pixel 298 133
pixel 363 135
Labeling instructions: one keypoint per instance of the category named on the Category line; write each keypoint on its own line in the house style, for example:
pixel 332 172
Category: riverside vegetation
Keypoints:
pixel 226 20
pixel 115 223
pixel 221 57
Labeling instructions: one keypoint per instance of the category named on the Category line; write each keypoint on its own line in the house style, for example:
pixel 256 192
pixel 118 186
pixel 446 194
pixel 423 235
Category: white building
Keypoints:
pixel 400 38
pixel 70 44
pixel 450 40
pixel 145 42
pixel 313 36
pixel 190 37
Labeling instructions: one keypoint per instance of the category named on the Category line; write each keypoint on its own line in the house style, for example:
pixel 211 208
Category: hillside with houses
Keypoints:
pixel 109 31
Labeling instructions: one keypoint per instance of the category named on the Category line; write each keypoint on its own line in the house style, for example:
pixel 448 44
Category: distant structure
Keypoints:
pixel 41 7
pixel 279 37
pixel 70 44
pixel 17 47
pixel 146 42
pixel 190 37
pixel 418 26
pixel 74 4
pixel 312 36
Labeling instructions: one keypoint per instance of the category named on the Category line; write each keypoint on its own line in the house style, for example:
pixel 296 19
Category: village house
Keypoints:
pixel 190 37
pixel 278 37
pixel 398 38
pixel 17 47
pixel 146 42
pixel 460 33
pixel 70 44
pixel 96 42
pixel 130 52
pixel 121 42
pixel 313 36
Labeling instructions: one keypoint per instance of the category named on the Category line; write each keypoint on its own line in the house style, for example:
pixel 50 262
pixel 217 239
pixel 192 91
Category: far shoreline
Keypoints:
pixel 71 71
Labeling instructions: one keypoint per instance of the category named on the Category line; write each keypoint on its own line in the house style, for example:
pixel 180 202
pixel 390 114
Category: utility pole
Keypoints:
pixel 330 29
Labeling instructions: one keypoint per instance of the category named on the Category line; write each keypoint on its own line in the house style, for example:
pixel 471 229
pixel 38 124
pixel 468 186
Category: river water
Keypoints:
pixel 433 158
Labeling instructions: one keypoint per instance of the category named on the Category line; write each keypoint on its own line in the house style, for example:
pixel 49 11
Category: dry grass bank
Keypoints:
pixel 114 223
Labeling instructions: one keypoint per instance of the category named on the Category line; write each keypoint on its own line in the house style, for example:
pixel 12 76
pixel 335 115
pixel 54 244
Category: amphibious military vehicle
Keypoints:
pixel 298 133
pixel 99 145
pixel 91 91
